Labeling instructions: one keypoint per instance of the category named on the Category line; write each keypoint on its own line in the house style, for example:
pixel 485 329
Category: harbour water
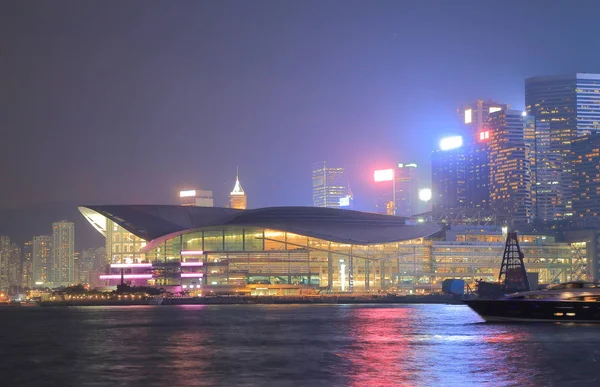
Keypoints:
pixel 289 345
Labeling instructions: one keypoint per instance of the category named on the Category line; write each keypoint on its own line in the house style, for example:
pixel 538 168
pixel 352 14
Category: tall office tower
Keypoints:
pixel 570 107
pixel 42 259
pixel 510 167
pixel 5 254
pixel 27 274
pixel 407 189
pixel 474 117
pixel 63 252
pixel 237 197
pixel 448 171
pixel 15 265
pixel 474 121
pixel 585 156
pixel 196 197
pixel 329 185
pixel 546 171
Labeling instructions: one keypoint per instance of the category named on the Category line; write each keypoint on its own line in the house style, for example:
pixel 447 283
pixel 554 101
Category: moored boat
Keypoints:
pixel 567 302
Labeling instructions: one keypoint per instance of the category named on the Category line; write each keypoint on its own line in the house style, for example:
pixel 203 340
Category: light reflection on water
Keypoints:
pixel 286 345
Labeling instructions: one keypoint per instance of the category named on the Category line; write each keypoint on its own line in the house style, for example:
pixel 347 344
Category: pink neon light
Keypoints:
pixel 130 265
pixel 191 275
pixel 192 252
pixel 192 264
pixel 126 276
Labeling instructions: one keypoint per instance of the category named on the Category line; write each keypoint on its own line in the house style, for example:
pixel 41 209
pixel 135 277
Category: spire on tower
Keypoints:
pixel 237 197
pixel 237 189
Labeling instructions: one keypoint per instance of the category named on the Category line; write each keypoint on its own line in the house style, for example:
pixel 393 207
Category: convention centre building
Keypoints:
pixel 292 250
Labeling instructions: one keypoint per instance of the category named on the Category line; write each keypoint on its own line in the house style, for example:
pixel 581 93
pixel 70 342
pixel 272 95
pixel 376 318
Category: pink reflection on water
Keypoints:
pixel 403 346
pixel 378 348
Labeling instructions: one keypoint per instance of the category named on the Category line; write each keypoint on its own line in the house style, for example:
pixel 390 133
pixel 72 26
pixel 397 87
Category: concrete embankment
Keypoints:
pixel 249 300
pixel 435 299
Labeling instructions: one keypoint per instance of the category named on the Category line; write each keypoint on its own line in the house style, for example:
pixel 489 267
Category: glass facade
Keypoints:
pixel 233 257
pixel 585 156
pixel 448 179
pixel 329 185
pixel 510 168
pixel 566 107
pixel 122 246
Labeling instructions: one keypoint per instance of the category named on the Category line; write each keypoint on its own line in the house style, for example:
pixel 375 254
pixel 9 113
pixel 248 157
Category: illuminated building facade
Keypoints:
pixel 546 170
pixel 27 275
pixel 510 167
pixel 63 252
pixel 237 197
pixel 5 256
pixel 15 265
pixel 475 252
pixel 407 189
pixel 287 250
pixel 121 245
pixel 474 117
pixel 448 176
pixel 196 197
pixel 474 120
pixel 585 156
pixel 328 185
pixel 42 260
pixel 568 106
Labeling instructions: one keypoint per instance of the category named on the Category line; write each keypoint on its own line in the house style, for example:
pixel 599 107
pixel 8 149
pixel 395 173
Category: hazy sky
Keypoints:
pixel 129 101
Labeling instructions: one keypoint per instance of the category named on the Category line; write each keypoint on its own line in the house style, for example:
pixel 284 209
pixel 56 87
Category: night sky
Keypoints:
pixel 130 101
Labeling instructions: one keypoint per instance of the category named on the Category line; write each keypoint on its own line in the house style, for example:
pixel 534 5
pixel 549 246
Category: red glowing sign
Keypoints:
pixel 484 135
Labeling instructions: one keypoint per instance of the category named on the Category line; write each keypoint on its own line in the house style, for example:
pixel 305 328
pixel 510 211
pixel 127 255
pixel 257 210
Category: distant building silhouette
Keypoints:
pixel 63 253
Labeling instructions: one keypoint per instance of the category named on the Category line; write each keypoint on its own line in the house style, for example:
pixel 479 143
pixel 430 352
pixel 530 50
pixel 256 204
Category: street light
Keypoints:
pixel 425 196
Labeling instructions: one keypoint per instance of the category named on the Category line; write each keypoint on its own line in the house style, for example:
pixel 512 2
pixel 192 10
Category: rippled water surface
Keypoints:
pixel 291 345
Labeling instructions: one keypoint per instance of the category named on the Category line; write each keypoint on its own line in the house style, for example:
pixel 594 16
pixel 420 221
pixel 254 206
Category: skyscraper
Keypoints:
pixel 567 106
pixel 474 117
pixel 547 196
pixel 407 190
pixel 42 259
pixel 585 156
pixel 15 265
pixel 63 246
pixel 448 171
pixel 237 197
pixel 329 185
pixel 510 167
pixel 474 121
pixel 27 275
pixel 5 256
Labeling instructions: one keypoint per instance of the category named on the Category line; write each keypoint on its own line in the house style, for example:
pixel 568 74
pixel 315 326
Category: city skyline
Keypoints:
pixel 364 93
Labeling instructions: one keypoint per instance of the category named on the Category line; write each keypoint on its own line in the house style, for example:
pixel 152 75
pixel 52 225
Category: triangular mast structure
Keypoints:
pixel 513 275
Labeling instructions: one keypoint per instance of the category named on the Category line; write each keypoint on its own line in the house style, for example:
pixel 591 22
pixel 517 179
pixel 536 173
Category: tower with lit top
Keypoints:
pixel 237 197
